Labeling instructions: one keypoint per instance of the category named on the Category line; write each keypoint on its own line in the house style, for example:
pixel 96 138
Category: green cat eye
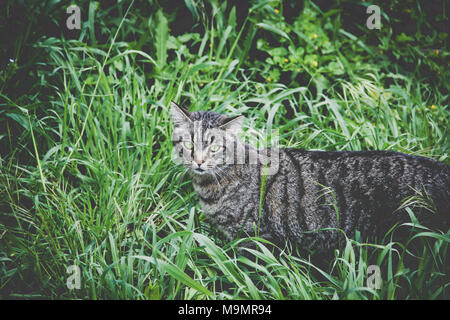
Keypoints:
pixel 215 148
pixel 188 145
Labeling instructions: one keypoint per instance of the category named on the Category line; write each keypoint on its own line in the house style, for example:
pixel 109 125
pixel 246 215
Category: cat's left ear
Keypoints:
pixel 180 116
pixel 233 125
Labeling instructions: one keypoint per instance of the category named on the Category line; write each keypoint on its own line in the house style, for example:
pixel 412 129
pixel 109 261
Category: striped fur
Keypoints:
pixel 312 190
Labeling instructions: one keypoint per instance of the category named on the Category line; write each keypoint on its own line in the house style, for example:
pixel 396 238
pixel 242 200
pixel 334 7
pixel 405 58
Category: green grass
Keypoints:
pixel 86 176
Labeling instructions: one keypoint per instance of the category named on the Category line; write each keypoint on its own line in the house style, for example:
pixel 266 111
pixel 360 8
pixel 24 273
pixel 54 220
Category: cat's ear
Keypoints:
pixel 233 125
pixel 180 116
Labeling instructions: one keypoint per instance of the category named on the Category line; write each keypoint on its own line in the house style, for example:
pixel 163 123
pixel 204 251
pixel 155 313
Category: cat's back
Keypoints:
pixel 368 186
pixel 359 164
pixel 380 156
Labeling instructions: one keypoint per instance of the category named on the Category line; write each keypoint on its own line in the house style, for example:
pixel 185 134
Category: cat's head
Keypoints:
pixel 204 141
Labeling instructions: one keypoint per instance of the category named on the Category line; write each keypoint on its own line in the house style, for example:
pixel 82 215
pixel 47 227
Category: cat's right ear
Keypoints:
pixel 180 116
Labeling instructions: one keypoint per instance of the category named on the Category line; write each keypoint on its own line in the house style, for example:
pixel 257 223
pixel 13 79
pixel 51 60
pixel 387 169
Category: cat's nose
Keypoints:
pixel 200 161
pixel 199 158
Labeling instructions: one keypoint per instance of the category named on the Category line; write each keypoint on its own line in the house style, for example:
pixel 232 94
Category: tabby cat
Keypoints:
pixel 310 190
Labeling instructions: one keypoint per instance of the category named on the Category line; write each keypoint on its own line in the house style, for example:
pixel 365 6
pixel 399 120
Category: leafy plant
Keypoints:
pixel 86 176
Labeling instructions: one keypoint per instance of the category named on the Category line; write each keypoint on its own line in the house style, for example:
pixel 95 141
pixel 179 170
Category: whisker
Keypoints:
pixel 218 183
